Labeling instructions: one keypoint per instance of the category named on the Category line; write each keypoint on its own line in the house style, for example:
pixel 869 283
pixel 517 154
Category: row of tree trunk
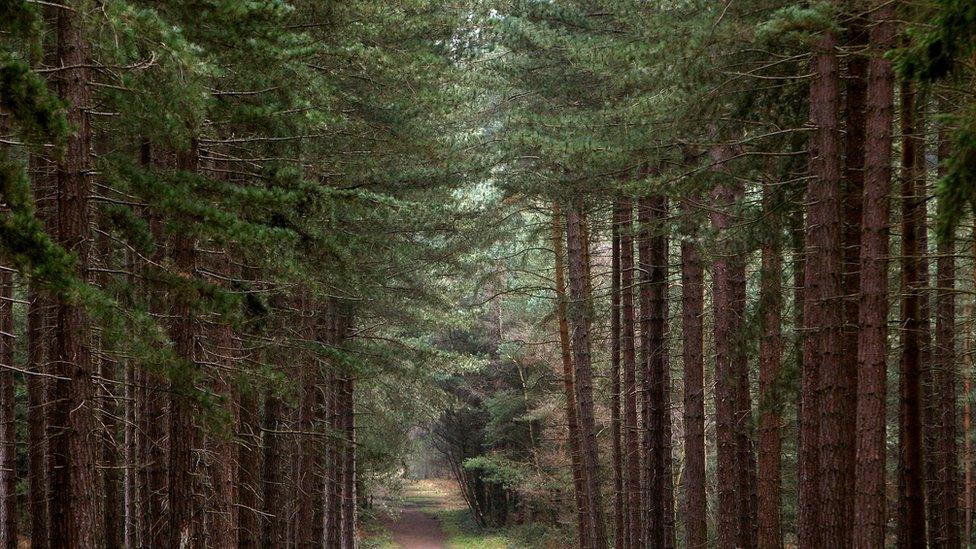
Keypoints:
pixel 842 301
pixel 644 514
pixel 123 452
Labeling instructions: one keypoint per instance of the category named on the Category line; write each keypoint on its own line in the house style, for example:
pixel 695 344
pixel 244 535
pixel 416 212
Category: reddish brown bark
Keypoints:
pixel 929 400
pixel 569 387
pixel 855 84
pixel 620 515
pixel 130 488
pixel 629 358
pixel 8 417
pixel 39 345
pixel 580 338
pixel 770 354
pixel 249 470
pixel 223 351
pixel 273 527
pixel 745 464
pixel 798 259
pixel 911 508
pixel 808 459
pixel 967 427
pixel 74 513
pixel 736 466
pixel 130 437
pixel 945 493
pixel 653 290
pixel 825 270
pixel 248 440
pixel 183 529
pixel 348 395
pixel 869 488
pixel 306 466
pixel 334 457
pixel 667 459
pixel 8 425
pixel 153 421
pixel 112 518
pixel 725 326
pixel 37 314
pixel 692 312
pixel 823 503
pixel 343 488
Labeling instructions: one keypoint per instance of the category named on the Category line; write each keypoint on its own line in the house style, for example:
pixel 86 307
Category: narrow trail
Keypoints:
pixel 416 527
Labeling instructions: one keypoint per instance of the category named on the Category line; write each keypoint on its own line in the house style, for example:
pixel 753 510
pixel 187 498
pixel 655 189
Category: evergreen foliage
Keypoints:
pixel 283 240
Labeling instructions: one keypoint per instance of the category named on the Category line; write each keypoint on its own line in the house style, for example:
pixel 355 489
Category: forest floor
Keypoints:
pixel 432 515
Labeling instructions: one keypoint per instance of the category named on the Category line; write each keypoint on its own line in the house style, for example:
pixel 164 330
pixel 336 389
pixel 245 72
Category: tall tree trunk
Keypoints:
pixel 853 189
pixel 967 410
pixel 112 518
pixel 823 516
pixel 770 355
pixel 911 516
pixel 183 529
pixel 824 245
pixel 273 530
pixel 798 257
pixel 569 387
pixel 248 439
pixel 692 313
pixel 798 260
pixel 307 463
pixel 869 488
pixel 130 483
pixel 8 419
pixel 620 501
pixel 332 508
pixel 946 494
pixel 248 471
pixel 745 474
pixel 73 512
pixel 946 489
pixel 38 349
pixel 580 329
pixel 347 398
pixel 8 416
pixel 334 458
pixel 929 400
pixel 736 471
pixel 151 410
pixel 348 462
pixel 221 446
pixel 629 358
pixel 153 474
pixel 37 489
pixel 670 526
pixel 653 262
pixel 725 330
pixel 130 498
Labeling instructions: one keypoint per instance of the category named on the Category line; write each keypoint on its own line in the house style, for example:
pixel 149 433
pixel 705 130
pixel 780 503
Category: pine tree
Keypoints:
pixel 692 311
pixel 869 501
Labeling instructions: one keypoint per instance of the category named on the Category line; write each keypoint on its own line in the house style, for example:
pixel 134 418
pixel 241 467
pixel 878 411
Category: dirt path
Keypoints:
pixel 416 527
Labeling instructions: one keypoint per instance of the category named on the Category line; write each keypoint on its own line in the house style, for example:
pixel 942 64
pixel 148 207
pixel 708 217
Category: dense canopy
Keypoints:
pixel 631 274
